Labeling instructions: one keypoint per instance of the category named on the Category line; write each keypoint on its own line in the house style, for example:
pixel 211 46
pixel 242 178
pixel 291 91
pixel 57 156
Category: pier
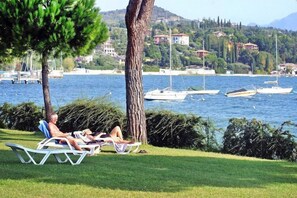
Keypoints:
pixel 20 80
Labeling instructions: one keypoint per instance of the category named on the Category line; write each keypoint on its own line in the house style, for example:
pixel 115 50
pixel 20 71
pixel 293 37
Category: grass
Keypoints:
pixel 162 172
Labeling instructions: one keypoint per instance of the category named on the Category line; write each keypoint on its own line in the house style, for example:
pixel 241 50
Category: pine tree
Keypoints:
pixel 72 26
pixel 137 19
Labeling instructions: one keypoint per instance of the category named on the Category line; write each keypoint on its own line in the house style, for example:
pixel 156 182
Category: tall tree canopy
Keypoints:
pixel 137 18
pixel 46 26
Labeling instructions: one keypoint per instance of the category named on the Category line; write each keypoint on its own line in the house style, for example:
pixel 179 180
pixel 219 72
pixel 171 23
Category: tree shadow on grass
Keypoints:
pixel 151 173
pixel 19 136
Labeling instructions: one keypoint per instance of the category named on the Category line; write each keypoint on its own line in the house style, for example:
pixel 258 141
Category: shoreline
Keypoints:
pixel 166 73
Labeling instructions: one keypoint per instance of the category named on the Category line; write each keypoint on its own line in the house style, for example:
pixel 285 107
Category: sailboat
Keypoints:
pixel 275 89
pixel 193 91
pixel 167 93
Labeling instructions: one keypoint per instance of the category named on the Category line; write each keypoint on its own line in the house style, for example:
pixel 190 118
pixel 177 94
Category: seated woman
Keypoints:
pixel 116 135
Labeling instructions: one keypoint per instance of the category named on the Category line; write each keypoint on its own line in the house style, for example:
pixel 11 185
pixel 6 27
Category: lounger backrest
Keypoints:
pixel 43 127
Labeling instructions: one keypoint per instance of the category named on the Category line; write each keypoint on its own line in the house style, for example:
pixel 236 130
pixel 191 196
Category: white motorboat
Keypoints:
pixel 203 91
pixel 241 93
pixel 167 93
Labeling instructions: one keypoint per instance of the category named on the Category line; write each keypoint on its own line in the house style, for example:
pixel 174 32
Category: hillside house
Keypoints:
pixel 181 39
pixel 202 53
pixel 108 49
pixel 158 39
pixel 219 34
pixel 247 46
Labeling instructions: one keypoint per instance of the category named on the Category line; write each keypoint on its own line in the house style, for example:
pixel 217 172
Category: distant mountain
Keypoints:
pixel 117 17
pixel 114 17
pixel 252 24
pixel 287 23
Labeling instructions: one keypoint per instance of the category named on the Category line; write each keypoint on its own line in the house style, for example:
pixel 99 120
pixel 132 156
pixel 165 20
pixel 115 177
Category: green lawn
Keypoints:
pixel 162 172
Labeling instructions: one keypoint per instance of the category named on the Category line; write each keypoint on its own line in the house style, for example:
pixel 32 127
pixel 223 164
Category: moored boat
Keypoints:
pixel 241 93
pixel 165 94
pixel 193 91
pixel 204 91
pixel 274 90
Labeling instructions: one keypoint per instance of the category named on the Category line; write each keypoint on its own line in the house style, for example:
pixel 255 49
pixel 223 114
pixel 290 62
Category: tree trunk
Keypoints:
pixel 45 87
pixel 137 20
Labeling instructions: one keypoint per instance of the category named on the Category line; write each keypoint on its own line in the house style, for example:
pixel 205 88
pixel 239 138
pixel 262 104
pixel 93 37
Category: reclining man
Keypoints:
pixel 55 132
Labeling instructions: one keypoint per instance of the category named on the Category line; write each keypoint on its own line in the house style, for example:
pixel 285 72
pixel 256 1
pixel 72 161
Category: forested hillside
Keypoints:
pixel 223 40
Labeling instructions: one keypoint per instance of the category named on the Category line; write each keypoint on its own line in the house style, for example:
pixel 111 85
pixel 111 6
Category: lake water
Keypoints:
pixel 272 109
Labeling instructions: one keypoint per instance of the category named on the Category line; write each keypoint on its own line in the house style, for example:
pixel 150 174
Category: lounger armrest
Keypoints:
pixel 43 143
pixel 79 135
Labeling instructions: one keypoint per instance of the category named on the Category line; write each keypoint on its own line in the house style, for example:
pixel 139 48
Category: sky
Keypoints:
pixel 261 12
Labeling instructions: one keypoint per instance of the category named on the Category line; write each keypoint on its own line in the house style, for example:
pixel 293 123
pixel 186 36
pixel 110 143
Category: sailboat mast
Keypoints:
pixel 203 66
pixel 170 61
pixel 61 61
pixel 276 63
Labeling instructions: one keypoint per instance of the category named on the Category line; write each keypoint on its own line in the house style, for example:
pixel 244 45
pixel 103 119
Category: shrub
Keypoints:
pixel 4 115
pixel 257 139
pixel 169 129
pixel 24 116
pixel 95 114
pixel 147 68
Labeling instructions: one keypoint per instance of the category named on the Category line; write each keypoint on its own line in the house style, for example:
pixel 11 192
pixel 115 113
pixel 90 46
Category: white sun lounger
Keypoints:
pixel 53 142
pixel 32 153
pixel 120 148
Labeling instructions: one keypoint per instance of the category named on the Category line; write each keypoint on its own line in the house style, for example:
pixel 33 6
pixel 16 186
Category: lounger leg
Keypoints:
pixel 34 162
pixel 128 149
pixel 68 158
pixel 136 149
pixel 59 160
pixel 31 153
pixel 31 158
pixel 82 156
pixel 21 157
pixel 78 161
pixel 44 159
pixel 92 150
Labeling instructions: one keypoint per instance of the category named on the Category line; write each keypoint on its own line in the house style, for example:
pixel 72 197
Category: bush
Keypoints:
pixel 168 129
pixel 147 68
pixel 256 139
pixel 95 114
pixel 4 115
pixel 24 116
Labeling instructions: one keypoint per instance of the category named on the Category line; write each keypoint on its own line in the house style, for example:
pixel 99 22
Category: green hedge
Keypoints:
pixel 257 139
pixel 169 129
pixel 164 128
pixel 24 116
